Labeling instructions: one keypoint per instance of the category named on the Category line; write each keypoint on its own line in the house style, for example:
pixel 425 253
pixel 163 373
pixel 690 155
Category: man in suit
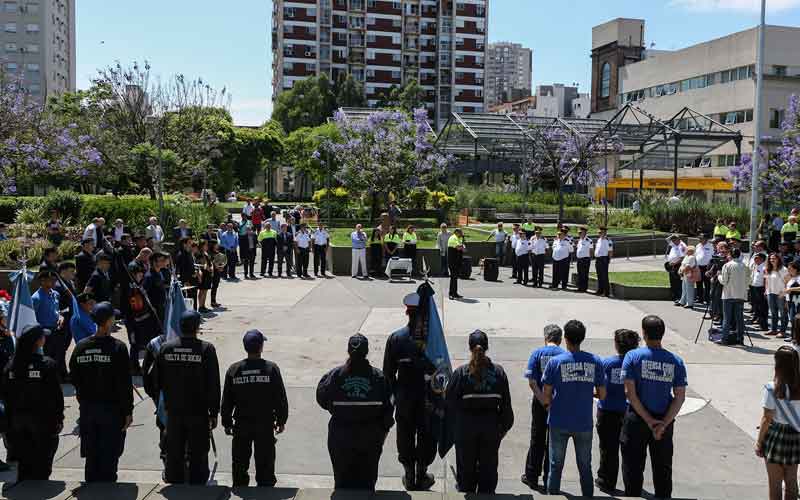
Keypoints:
pixel 182 231
pixel 285 247
pixel 84 263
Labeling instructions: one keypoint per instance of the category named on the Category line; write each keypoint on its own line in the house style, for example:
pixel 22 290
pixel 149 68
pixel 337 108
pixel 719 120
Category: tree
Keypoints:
pixel 567 156
pixel 308 103
pixel 35 147
pixel 350 93
pixel 407 97
pixel 255 149
pixel 779 175
pixel 301 146
pixel 389 152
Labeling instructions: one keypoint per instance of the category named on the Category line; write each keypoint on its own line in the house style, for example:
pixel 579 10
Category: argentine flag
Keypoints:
pixel 175 308
pixel 22 313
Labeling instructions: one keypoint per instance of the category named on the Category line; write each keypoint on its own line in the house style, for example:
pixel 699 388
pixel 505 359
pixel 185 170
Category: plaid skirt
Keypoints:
pixel 782 445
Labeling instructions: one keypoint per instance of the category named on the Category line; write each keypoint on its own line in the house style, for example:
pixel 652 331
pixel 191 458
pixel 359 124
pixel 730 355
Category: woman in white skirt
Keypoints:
pixel 779 436
pixel 690 274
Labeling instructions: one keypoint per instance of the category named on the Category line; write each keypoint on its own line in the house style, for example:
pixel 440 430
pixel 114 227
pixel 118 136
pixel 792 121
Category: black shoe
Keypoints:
pixel 424 480
pixel 204 310
pixel 216 304
pixel 530 483
pixel 603 486
pixel 452 297
pixel 4 467
pixel 409 483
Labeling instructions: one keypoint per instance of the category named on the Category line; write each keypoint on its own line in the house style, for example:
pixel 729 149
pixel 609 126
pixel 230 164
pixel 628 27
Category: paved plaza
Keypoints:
pixel 308 322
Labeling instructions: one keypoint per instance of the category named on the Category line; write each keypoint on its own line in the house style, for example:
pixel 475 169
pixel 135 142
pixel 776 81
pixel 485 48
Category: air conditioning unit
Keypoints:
pixel 308 53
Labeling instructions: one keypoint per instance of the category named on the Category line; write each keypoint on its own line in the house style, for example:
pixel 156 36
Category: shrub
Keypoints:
pixel 442 201
pixel 620 218
pixel 68 204
pixel 418 198
pixel 68 249
pixel 338 200
pixel 31 215
pixel 691 216
pixel 134 210
pixel 196 215
pixel 8 210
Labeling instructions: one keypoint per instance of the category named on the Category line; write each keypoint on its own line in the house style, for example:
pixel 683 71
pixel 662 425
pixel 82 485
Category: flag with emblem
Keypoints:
pixel 22 312
pixel 175 308
pixel 437 353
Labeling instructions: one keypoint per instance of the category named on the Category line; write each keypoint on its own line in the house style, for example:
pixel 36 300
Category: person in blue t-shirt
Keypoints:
pixel 537 463
pixel 611 410
pixel 655 384
pixel 570 382
pixel 45 301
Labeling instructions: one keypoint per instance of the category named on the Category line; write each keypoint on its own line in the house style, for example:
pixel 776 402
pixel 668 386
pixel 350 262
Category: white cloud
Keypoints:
pixel 736 5
pixel 251 111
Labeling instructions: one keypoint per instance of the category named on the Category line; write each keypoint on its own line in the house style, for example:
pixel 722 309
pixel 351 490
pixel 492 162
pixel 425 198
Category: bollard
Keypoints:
pixel 628 249
pixel 654 244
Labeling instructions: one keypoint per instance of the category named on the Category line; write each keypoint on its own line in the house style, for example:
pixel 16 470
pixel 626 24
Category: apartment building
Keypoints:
pixel 715 78
pixel 382 43
pixel 509 73
pixel 37 44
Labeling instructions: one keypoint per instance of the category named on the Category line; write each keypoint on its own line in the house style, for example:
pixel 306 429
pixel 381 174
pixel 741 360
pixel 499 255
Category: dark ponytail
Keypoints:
pixel 478 364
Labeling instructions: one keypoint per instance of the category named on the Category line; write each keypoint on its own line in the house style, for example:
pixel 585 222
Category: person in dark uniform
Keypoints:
pixel 140 320
pixel 154 285
pixel 102 380
pixel 655 384
pixel 35 405
pixel 455 255
pixel 187 372
pixel 99 283
pixel 49 259
pixel 84 263
pixel 148 381
pixel 358 398
pixel 7 346
pixel 65 287
pixel 285 246
pixel 254 395
pixel 478 393
pixel 406 367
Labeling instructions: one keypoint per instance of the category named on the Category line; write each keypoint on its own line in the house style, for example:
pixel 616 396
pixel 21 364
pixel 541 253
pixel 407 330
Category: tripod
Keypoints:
pixel 706 316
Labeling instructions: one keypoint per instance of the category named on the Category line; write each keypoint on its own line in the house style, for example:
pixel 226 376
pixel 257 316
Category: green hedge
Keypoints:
pixel 487 197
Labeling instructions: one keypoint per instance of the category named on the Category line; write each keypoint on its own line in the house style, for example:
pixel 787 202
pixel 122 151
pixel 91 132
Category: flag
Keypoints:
pixel 437 353
pixel 175 308
pixel 22 313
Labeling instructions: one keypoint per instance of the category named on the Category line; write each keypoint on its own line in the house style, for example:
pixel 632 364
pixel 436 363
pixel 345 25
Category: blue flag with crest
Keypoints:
pixel 175 308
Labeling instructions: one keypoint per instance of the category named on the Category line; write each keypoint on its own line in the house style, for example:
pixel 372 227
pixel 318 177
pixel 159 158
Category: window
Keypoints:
pixel 605 80
pixel 32 48
pixel 725 76
pixel 32 67
pixel 11 66
pixel 10 7
pixel 779 70
pixel 10 28
pixel 32 28
pixel 370 73
pixel 743 72
pixel 11 47
pixel 289 12
pixel 729 160
pixel 32 8
pixel 776 117
pixel 395 75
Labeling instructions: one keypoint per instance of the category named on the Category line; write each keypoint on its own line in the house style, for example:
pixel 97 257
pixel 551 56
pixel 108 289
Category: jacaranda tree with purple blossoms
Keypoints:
pixel 568 157
pixel 36 148
pixel 389 152
pixel 779 176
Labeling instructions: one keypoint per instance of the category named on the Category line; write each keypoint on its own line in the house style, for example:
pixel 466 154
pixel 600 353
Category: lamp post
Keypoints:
pixel 756 163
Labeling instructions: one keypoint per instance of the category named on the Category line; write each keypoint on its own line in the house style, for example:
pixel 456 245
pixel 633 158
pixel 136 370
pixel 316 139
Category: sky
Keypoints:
pixel 228 43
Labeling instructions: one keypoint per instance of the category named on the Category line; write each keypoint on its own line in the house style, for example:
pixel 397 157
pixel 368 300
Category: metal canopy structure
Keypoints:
pixel 648 143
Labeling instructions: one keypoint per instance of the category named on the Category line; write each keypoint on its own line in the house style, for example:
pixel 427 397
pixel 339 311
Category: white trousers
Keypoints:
pixel 359 256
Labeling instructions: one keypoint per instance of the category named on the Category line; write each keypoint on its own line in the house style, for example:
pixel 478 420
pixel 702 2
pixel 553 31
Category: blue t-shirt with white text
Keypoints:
pixel 538 362
pixel 573 377
pixel 656 373
pixel 615 386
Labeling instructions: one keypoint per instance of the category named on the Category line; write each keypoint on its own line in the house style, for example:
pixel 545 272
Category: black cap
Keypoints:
pixel 102 312
pixel 35 330
pixel 190 322
pixel 253 341
pixel 478 338
pixel 703 236
pixel 85 297
pixel 103 256
pixel 358 346
pixel 87 240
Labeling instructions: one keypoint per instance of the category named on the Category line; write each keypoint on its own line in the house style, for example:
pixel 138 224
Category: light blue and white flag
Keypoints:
pixel 175 308
pixel 22 312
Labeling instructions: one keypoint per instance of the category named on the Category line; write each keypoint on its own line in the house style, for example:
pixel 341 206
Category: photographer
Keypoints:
pixel 735 280
pixel 717 261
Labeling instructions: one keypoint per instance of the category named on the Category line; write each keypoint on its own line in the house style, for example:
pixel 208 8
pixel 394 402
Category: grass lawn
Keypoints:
pixel 426 238
pixel 658 279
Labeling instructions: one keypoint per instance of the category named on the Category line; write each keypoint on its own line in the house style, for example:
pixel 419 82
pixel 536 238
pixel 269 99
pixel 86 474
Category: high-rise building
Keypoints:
pixel 383 44
pixel 37 44
pixel 509 72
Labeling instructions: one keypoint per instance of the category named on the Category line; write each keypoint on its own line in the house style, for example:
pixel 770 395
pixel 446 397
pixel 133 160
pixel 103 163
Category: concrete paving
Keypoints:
pixel 308 322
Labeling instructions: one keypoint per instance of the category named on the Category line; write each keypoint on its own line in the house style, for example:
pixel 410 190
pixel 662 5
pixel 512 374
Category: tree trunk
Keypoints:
pixel 560 200
pixel 374 209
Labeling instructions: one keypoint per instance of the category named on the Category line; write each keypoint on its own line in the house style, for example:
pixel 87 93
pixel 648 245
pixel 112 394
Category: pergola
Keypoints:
pixel 647 142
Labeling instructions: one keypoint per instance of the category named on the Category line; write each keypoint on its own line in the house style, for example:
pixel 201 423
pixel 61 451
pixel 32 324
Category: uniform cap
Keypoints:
pixel 411 300
pixel 45 274
pixel 674 236
pixel 358 346
pixel 253 341
pixel 478 338
pixel 35 330
pixel 190 321
pixel 102 312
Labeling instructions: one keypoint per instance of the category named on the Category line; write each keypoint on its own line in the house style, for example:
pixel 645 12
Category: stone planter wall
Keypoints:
pixel 625 292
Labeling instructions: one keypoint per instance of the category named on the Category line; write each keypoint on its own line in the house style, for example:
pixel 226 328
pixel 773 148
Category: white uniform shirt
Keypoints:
pixel 514 240
pixel 758 274
pixel 676 252
pixel 603 247
pixel 539 246
pixel 303 240
pixel 703 254
pixel 90 232
pixel 523 247
pixel 561 249
pixel 118 232
pixel 584 248
pixel 321 237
